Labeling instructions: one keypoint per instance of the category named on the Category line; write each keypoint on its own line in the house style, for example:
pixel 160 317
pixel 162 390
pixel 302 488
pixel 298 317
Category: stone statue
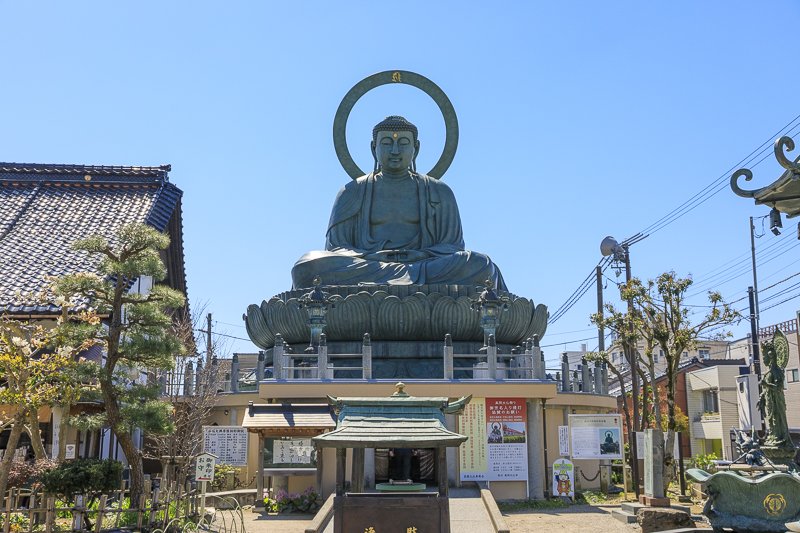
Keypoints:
pixel 772 401
pixel 395 226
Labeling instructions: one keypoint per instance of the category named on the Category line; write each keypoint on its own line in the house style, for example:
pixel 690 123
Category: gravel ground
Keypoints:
pixel 583 518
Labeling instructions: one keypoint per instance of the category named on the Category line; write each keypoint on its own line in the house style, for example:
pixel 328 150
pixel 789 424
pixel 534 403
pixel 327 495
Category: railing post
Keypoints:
pixel 322 357
pixel 491 357
pixel 188 379
pixel 235 373
pixel 198 378
pixel 598 378
pixel 262 360
pixel 366 357
pixel 537 359
pixel 565 373
pixel 277 357
pixel 162 382
pixel 604 379
pixel 448 356
pixel 586 376
pixel 576 387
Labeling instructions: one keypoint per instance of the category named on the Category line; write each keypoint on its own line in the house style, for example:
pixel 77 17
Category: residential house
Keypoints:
pixel 46 208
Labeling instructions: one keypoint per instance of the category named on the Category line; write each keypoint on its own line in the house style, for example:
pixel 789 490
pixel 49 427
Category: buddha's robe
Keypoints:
pixel 434 255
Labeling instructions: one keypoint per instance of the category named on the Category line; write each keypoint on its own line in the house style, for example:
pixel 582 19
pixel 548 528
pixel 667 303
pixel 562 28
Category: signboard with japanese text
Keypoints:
pixel 497 448
pixel 204 467
pixel 595 436
pixel 472 454
pixel 69 452
pixel 289 452
pixel 292 452
pixel 228 443
pixel 564 478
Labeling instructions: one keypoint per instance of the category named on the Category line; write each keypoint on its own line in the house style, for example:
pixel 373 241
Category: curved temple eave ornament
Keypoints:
pixel 792 169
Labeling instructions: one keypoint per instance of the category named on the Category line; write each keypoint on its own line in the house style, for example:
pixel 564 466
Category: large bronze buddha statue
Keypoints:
pixel 395 226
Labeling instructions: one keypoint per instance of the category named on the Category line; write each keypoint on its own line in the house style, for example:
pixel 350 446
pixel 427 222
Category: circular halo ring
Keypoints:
pixel 384 78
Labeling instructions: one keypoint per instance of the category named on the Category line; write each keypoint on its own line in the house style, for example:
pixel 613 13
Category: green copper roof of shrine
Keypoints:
pixel 397 421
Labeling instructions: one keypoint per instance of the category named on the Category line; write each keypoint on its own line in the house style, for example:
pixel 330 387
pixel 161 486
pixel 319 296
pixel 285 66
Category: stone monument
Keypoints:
pixel 395 265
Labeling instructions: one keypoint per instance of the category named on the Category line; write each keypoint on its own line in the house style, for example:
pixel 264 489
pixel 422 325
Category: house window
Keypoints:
pixel 704 354
pixel 794 375
pixel 657 356
pixel 613 357
pixel 711 401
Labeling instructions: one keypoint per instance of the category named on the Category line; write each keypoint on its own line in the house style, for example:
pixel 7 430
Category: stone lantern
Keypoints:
pixel 316 303
pixel 491 307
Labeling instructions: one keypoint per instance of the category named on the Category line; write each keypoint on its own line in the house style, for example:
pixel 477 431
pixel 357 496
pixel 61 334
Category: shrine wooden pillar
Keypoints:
pixel 341 458
pixel 357 471
pixel 444 500
pixel 320 468
pixel 260 470
pixel 441 470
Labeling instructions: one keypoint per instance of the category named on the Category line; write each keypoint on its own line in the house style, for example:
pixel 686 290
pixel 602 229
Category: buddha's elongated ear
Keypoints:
pixel 416 153
pixel 375 165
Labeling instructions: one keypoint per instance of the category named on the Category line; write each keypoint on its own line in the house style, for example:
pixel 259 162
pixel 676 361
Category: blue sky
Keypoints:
pixel 578 120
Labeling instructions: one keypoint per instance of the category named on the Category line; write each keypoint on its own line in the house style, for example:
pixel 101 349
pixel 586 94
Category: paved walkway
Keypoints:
pixel 467 515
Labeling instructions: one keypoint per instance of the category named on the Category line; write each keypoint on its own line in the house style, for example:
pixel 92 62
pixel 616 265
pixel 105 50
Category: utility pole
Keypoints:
pixel 209 345
pixel 634 366
pixel 756 350
pixel 601 337
pixel 755 277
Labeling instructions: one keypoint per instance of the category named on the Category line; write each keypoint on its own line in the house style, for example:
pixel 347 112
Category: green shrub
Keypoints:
pixel 83 476
pixel 704 462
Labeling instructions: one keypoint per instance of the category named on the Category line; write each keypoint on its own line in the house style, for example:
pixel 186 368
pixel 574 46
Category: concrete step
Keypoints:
pixel 623 516
pixel 632 507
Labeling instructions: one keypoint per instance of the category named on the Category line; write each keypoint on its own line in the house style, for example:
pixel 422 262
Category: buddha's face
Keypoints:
pixel 395 150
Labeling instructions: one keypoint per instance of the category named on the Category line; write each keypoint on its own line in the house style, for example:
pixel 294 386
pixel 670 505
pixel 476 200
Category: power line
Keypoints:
pixel 582 289
pixel 716 185
pixel 223 335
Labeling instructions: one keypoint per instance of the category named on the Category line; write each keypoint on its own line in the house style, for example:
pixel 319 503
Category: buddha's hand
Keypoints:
pixel 398 256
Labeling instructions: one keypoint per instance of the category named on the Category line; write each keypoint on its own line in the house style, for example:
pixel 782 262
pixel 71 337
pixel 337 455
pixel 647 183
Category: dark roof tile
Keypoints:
pixel 46 208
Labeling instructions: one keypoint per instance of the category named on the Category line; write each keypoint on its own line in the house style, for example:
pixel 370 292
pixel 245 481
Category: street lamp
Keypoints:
pixel 316 303
pixel 490 306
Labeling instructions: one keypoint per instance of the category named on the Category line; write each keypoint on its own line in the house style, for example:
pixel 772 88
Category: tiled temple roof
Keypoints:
pixel 45 208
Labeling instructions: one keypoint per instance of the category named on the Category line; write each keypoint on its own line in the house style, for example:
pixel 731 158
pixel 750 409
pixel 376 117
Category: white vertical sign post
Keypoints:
pixel 204 472
pixel 563 441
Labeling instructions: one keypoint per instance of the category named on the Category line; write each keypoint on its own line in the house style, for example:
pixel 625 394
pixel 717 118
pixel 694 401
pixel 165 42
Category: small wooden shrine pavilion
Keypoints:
pixel 399 421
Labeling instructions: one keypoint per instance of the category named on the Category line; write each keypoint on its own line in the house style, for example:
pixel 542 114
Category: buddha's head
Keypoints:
pixel 395 145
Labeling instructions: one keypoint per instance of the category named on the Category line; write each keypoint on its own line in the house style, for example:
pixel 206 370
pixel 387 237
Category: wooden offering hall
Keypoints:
pixel 402 423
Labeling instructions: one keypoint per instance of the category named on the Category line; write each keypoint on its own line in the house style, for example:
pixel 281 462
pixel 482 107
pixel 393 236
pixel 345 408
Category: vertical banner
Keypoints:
pixel 564 478
pixel 472 454
pixel 507 439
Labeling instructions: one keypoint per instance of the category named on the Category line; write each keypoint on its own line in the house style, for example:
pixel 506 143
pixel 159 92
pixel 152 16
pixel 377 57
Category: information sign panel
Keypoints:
pixel 595 436
pixel 228 443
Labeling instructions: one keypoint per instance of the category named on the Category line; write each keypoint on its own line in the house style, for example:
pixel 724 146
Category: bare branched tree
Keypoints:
pixel 191 388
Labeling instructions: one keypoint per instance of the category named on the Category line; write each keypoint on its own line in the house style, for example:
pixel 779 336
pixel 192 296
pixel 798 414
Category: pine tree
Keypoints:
pixel 136 333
